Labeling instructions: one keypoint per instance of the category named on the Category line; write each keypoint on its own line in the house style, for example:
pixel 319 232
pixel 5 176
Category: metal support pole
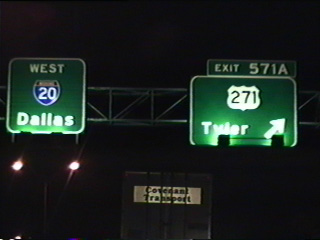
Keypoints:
pixel 45 199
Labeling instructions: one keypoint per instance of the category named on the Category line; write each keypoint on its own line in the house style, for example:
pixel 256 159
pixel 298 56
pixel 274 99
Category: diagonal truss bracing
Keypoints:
pixel 137 106
pixel 158 106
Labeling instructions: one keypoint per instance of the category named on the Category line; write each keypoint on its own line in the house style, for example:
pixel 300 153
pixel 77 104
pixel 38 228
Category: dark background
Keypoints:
pixel 258 193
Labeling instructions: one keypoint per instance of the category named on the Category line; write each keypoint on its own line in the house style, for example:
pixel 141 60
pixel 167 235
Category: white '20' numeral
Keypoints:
pixel 47 93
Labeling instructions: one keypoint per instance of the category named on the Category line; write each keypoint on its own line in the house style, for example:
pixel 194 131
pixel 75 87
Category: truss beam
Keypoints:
pixel 158 106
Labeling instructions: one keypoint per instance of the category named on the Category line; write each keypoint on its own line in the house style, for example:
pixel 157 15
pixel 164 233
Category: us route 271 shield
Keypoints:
pixel 243 97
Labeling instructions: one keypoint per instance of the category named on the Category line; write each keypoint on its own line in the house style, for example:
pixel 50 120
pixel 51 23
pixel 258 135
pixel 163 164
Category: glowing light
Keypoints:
pixel 17 165
pixel 74 165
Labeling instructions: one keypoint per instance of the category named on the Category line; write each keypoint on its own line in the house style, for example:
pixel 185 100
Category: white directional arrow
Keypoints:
pixel 278 126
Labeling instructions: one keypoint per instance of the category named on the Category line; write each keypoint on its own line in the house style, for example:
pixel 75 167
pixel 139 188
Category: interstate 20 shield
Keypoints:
pixel 46 92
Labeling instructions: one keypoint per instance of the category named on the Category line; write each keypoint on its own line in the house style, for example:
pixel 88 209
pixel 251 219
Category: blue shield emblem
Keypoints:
pixel 46 92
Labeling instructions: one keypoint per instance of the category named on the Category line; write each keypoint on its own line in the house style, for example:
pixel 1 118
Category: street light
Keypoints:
pixel 74 165
pixel 17 165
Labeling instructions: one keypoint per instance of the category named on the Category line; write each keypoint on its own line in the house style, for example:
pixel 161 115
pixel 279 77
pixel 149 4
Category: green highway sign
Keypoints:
pixel 274 68
pixel 46 95
pixel 251 110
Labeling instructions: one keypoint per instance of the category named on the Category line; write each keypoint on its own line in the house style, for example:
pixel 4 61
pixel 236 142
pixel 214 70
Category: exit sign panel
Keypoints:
pixel 251 110
pixel 46 95
pixel 251 68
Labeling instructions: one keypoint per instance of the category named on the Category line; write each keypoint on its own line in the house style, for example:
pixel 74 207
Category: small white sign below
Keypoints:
pixel 165 194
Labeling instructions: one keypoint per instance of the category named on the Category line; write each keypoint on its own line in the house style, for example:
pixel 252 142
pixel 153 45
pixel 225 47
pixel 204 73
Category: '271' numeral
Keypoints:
pixel 247 94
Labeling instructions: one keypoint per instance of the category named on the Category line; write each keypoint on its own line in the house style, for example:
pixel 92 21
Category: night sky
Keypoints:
pixel 258 193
